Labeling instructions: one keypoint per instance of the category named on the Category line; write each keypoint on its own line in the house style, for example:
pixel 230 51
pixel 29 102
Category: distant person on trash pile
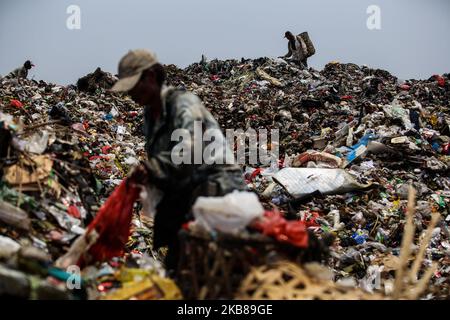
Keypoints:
pixel 21 72
pixel 95 80
pixel 168 109
pixel 298 49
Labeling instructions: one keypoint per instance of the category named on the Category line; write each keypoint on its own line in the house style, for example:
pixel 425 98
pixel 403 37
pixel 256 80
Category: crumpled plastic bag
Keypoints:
pixel 229 214
pixel 300 182
pixel 396 111
pixel 37 143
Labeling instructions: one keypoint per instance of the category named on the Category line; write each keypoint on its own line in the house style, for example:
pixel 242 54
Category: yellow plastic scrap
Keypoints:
pixel 396 204
pixel 140 284
pixel 133 274
pixel 434 120
pixel 170 289
pixel 325 132
pixel 119 166
pixel 142 290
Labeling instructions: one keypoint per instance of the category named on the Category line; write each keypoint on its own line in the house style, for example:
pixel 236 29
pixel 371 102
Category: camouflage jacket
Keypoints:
pixel 184 110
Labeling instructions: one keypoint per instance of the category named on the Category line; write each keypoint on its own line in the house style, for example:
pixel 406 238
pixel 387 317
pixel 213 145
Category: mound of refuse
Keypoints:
pixel 352 141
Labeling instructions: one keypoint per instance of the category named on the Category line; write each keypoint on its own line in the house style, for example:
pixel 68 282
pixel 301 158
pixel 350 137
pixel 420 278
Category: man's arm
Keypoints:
pixel 287 55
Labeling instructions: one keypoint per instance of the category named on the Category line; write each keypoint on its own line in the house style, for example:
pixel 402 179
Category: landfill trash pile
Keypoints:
pixel 62 154
pixel 313 281
pixel 352 140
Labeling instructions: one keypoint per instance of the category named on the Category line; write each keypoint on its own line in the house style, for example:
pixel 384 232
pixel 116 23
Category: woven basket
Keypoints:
pixel 287 281
pixel 214 268
pixel 309 44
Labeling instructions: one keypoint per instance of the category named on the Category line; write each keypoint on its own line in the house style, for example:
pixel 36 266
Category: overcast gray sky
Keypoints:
pixel 413 41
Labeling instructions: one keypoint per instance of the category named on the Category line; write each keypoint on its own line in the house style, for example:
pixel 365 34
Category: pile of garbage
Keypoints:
pixel 352 141
pixel 62 154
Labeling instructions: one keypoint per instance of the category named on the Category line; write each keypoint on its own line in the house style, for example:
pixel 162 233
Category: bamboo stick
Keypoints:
pixel 420 287
pixel 423 246
pixel 408 237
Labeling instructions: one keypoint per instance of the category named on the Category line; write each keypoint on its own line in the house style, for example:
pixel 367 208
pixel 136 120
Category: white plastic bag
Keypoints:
pixel 150 197
pixel 300 182
pixel 229 214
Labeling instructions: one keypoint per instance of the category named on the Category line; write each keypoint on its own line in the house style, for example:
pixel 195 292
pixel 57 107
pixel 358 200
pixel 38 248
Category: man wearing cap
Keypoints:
pixel 21 72
pixel 166 110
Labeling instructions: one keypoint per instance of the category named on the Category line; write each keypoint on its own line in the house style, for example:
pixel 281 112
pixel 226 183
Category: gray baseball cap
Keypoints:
pixel 131 67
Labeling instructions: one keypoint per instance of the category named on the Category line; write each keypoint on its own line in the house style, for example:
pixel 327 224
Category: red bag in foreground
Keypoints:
pixel 112 223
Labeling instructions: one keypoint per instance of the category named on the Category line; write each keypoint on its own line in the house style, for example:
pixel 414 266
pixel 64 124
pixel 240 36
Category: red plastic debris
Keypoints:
pixel 185 225
pixel 74 212
pixel 446 149
pixel 254 174
pixel 215 77
pixel 105 149
pixel 275 225
pixel 112 224
pixel 105 286
pixel 16 103
pixel 440 80
pixel 347 97
pixel 310 220
pixel 92 158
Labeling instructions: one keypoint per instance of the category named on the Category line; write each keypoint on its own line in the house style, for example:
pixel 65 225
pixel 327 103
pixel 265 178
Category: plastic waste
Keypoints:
pixel 37 143
pixel 229 214
pixel 300 182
